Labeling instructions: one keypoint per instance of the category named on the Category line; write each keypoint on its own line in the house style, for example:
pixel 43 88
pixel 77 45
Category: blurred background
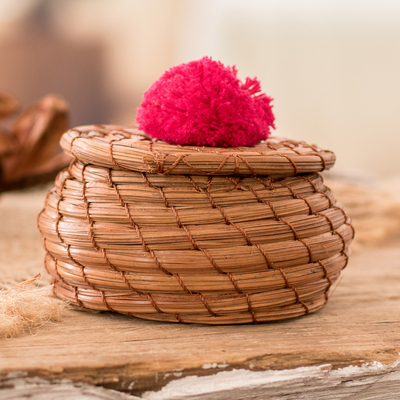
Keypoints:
pixel 332 66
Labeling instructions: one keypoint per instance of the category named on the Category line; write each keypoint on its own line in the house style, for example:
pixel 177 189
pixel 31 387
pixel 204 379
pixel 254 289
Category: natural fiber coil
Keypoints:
pixel 132 150
pixel 196 248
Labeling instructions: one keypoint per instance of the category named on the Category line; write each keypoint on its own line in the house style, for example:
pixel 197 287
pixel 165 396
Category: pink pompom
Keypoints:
pixel 203 103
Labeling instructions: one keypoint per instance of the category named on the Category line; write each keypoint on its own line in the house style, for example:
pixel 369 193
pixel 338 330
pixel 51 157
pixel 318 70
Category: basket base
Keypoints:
pixel 260 315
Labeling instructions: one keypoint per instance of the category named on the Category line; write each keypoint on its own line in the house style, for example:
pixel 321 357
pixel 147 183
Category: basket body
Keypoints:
pixel 197 248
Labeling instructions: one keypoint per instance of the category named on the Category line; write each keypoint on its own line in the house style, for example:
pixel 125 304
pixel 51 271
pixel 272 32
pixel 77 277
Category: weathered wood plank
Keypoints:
pixel 18 386
pixel 373 382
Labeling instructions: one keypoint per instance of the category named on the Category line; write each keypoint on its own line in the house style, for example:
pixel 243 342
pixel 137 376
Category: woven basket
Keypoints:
pixel 196 235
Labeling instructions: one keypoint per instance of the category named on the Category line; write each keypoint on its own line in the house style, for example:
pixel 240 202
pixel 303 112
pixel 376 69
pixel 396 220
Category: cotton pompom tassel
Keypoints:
pixel 203 103
pixel 25 309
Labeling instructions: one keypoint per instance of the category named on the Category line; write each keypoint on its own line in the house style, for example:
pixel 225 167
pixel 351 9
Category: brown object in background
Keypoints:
pixel 8 104
pixel 30 153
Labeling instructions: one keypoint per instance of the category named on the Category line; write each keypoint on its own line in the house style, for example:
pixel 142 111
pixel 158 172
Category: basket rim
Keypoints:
pixel 130 149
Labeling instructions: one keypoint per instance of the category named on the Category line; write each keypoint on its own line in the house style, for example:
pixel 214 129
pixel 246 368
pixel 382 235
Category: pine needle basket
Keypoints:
pixel 193 235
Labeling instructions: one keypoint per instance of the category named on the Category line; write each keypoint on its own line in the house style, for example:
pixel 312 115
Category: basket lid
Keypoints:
pixel 132 150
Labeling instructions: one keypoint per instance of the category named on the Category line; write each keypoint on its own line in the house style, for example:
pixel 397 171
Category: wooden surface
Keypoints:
pixel 360 324
pixel 373 382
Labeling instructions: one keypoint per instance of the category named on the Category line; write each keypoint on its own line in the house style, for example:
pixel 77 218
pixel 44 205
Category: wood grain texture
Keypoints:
pixel 372 382
pixel 18 386
pixel 361 323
